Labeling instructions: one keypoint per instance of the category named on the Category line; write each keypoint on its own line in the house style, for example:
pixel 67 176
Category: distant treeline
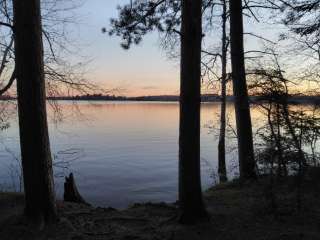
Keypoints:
pixel 174 98
pixel 168 98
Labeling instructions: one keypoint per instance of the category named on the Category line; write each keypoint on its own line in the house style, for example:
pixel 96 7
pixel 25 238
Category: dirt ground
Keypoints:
pixel 238 212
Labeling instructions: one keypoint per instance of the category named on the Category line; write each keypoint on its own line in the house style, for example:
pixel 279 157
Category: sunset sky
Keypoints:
pixel 142 70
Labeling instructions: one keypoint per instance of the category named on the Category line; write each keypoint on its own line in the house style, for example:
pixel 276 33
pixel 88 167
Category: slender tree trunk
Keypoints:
pixel 222 145
pixel 286 115
pixel 190 194
pixel 34 139
pixel 242 108
pixel 285 109
pixel 278 137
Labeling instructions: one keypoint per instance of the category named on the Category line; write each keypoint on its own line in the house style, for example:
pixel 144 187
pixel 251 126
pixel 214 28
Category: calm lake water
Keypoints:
pixel 120 152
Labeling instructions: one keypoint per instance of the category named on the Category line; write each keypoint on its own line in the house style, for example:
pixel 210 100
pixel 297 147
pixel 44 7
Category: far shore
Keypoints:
pixel 295 99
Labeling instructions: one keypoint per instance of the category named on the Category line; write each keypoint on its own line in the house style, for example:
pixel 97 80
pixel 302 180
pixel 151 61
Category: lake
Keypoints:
pixel 120 152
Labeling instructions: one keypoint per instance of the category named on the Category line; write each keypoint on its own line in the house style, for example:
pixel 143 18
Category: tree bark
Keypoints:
pixel 34 139
pixel 222 145
pixel 242 108
pixel 190 193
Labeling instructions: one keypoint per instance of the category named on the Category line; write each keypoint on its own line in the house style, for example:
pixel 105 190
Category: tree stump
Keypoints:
pixel 71 193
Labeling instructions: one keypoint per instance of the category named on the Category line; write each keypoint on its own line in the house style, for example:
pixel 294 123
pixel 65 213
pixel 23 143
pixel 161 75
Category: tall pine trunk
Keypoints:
pixel 222 137
pixel 242 108
pixel 34 139
pixel 190 194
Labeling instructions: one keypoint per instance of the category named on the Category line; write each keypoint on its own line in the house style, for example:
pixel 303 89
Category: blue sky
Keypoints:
pixel 142 70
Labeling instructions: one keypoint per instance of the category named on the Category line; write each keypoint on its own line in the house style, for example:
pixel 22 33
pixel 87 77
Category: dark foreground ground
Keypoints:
pixel 247 211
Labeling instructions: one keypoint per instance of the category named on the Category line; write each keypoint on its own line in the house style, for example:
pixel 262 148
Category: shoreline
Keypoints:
pixel 238 211
pixel 173 99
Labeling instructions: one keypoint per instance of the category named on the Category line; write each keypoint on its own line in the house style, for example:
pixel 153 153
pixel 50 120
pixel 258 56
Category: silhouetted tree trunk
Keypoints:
pixel 242 108
pixel 190 194
pixel 222 145
pixel 71 192
pixel 276 136
pixel 34 139
pixel 297 143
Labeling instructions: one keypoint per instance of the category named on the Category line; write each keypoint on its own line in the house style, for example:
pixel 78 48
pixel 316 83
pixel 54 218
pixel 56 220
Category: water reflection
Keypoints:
pixel 123 152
